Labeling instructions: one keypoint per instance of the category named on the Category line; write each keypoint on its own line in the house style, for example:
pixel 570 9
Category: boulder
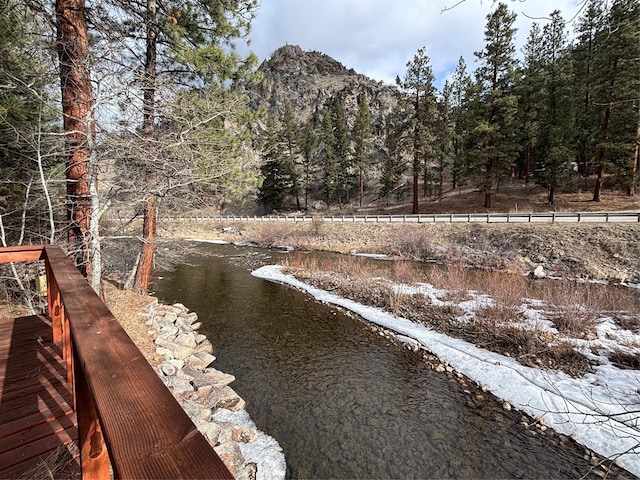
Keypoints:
pixel 538 272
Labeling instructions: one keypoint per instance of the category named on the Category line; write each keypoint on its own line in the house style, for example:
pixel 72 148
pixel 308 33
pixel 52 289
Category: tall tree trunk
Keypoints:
pixel 635 161
pixel 77 104
pixel 149 227
pixel 416 178
pixel 361 186
pixel 488 184
pixel 597 191
pixel 602 155
pixel 527 161
pixel 551 195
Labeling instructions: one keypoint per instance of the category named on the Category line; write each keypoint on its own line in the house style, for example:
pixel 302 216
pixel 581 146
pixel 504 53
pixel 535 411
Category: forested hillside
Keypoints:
pixel 564 115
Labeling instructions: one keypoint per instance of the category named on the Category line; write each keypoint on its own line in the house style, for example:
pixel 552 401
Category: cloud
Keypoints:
pixel 378 37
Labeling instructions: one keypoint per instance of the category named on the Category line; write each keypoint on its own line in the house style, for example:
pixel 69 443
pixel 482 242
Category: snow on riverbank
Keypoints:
pixel 594 409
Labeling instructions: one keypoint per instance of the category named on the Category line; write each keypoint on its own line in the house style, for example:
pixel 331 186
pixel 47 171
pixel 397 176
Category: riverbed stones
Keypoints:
pixel 202 391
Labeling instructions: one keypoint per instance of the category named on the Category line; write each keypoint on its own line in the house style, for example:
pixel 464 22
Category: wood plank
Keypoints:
pixel 25 253
pixel 10 428
pixel 40 402
pixel 55 380
pixel 28 454
pixel 45 465
pixel 35 413
pixel 27 436
pixel 130 398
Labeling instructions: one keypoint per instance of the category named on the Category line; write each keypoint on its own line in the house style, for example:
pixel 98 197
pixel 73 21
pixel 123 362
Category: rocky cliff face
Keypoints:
pixel 312 81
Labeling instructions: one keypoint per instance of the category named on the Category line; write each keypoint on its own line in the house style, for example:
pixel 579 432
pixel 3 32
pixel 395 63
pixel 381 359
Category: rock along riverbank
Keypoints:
pixel 204 393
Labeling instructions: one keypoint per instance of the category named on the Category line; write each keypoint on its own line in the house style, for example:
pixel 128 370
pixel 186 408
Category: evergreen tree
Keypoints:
pixel 418 101
pixel 616 88
pixel 330 160
pixel 172 42
pixel 583 55
pixel 362 136
pixel 394 164
pixel 342 150
pixel 309 144
pixel 494 137
pixel 290 136
pixel 530 90
pixel 444 135
pixel 277 170
pixel 29 145
pixel 461 123
pixel 552 164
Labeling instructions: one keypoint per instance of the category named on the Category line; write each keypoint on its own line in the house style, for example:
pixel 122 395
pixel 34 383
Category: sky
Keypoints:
pixel 378 37
pixel 595 410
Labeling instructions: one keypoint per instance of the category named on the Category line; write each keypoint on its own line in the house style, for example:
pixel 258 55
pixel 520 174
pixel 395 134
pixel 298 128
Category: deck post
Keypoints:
pixel 94 456
pixel 54 304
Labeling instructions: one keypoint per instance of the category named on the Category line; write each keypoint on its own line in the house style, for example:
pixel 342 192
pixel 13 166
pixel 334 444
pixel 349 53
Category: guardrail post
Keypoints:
pixel 607 217
pixel 553 217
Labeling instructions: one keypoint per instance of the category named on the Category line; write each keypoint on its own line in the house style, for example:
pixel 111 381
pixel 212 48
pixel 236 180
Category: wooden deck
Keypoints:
pixel 37 419
pixel 78 363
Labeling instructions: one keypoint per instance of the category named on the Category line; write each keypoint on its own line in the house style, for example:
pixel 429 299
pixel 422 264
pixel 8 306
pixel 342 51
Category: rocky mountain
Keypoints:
pixel 312 81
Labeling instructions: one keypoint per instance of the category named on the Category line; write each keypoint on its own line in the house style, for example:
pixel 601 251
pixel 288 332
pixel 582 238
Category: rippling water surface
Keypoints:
pixel 342 401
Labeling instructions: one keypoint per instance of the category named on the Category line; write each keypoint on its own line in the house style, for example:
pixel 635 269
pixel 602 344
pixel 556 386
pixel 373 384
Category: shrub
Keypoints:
pixel 575 307
pixel 412 243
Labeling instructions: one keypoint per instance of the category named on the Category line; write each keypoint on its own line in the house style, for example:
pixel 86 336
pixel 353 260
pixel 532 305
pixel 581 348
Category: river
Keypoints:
pixel 342 400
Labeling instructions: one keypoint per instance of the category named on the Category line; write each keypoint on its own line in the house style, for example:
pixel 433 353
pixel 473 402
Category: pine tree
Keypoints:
pixel 362 136
pixel 418 100
pixel 173 42
pixel 461 123
pixel 616 87
pixel 583 57
pixel 290 136
pixel 78 123
pixel 277 170
pixel 530 90
pixel 329 157
pixel 342 150
pixel 495 144
pixel 554 152
pixel 394 164
pixel 30 149
pixel 309 144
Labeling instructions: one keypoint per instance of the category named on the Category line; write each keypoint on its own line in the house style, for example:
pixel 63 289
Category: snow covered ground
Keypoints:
pixel 599 410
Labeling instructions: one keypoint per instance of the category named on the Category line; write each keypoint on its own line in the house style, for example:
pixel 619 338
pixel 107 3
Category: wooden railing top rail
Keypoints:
pixel 146 431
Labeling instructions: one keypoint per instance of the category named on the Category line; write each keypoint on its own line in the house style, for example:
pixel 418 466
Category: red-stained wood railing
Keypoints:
pixel 128 421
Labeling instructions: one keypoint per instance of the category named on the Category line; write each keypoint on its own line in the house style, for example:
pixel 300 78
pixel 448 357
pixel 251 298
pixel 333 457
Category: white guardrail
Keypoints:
pixel 581 217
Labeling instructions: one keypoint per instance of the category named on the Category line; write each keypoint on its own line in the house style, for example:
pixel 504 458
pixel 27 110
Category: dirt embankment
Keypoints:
pixel 588 251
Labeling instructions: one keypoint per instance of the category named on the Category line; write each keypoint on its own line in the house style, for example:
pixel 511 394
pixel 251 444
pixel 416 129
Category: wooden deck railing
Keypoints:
pixel 128 421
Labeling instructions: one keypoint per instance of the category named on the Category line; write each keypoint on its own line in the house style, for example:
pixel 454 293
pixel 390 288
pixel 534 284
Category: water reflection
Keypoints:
pixel 343 401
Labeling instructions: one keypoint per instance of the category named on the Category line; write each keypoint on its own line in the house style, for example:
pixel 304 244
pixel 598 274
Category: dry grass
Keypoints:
pixel 127 307
pixel 576 308
pixel 272 234
pixel 623 359
pixel 61 464
pixel 454 278
pixel 412 243
pixel 507 291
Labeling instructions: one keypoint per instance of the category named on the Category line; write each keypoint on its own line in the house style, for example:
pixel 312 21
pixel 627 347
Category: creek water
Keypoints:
pixel 342 400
